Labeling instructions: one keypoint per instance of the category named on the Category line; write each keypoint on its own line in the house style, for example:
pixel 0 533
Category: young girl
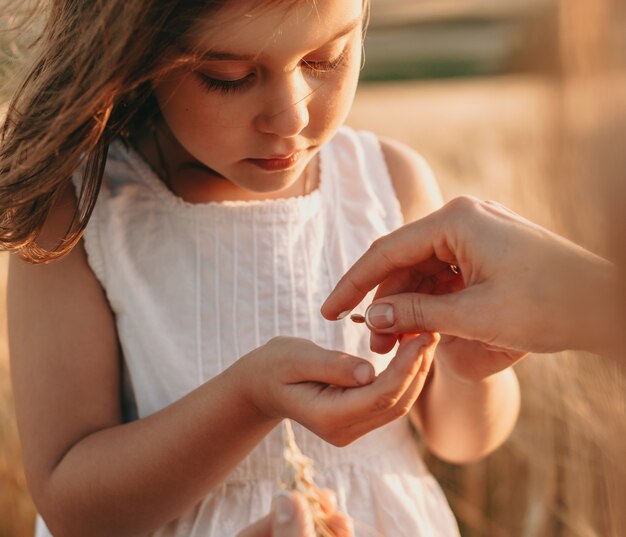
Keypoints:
pixel 148 375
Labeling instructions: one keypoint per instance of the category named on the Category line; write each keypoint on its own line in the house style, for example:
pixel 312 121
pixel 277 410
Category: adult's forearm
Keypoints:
pixel 463 421
pixel 133 478
pixel 594 309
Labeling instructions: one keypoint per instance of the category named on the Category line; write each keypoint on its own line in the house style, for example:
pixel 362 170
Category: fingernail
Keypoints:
pixel 343 315
pixel 283 507
pixel 363 373
pixel 379 316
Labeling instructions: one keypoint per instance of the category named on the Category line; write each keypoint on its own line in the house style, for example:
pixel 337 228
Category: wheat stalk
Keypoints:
pixel 298 475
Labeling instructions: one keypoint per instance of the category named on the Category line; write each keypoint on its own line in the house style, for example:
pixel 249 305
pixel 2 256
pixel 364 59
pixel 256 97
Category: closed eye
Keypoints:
pixel 225 86
pixel 319 68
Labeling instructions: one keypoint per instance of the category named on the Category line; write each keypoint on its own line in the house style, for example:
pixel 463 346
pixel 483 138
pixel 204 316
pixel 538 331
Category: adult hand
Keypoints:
pixel 291 517
pixel 520 286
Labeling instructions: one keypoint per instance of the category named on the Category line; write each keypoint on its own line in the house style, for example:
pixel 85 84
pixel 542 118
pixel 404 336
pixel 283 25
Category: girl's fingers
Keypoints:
pixel 312 363
pixel 341 415
pixel 382 343
pixel 426 352
pixel 383 394
pixel 401 408
pixel 419 381
pixel 406 401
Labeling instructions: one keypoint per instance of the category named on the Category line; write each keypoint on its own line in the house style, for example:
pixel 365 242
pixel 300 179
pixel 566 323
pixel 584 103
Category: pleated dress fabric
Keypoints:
pixel 196 286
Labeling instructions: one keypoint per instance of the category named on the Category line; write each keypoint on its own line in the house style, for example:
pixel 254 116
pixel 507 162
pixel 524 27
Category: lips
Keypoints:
pixel 276 162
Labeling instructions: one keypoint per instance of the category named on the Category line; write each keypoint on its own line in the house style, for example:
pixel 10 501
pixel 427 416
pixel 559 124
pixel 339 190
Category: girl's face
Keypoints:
pixel 273 86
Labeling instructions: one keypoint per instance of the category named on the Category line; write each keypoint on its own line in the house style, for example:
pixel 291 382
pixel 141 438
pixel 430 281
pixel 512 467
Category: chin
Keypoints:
pixel 269 187
pixel 272 182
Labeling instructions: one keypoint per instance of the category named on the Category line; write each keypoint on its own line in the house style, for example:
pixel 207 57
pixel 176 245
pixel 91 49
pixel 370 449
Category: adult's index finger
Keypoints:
pixel 405 247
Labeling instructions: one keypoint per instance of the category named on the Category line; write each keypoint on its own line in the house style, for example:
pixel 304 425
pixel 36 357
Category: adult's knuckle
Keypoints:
pixel 379 249
pixel 377 244
pixel 463 204
pixel 417 314
pixel 497 207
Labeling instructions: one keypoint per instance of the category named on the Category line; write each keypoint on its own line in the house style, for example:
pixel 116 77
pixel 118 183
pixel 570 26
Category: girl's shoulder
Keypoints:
pixel 413 180
pixel 383 160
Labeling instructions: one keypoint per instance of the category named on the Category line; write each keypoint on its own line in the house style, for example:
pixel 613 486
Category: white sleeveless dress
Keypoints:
pixel 254 270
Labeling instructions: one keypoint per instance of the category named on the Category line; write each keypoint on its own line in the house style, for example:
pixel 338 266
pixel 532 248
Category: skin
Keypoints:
pixel 523 288
pixel 95 475
pixel 290 101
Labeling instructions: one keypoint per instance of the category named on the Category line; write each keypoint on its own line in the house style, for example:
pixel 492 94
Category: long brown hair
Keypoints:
pixel 89 82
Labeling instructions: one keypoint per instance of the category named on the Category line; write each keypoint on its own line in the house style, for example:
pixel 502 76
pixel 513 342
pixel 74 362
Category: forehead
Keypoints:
pixel 249 27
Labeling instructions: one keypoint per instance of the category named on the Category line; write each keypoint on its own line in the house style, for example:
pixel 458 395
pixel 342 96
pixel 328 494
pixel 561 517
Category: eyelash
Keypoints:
pixel 317 69
pixel 225 86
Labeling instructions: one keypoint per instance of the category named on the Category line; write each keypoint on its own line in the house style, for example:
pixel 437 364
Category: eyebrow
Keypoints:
pixel 216 55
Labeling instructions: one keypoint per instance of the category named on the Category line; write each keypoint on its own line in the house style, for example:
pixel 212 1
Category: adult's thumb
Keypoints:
pixel 411 313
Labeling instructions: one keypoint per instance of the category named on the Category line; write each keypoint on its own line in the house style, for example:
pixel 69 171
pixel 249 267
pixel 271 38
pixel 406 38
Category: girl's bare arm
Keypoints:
pixel 91 474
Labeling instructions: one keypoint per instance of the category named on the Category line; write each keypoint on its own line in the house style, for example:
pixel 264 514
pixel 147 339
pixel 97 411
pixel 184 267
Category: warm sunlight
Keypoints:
pixel 521 102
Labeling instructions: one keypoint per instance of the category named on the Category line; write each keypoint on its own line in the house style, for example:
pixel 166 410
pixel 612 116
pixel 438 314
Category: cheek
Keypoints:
pixel 335 97
pixel 187 107
pixel 187 111
pixel 176 103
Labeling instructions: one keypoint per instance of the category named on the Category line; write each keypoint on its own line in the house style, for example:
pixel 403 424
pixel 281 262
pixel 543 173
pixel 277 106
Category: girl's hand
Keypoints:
pixel 291 517
pixel 333 394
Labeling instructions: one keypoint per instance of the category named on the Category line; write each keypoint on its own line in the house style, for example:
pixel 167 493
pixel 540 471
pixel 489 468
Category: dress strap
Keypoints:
pixel 362 184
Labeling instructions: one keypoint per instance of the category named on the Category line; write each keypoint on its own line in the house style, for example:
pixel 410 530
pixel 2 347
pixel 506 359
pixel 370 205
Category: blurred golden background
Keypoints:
pixel 499 97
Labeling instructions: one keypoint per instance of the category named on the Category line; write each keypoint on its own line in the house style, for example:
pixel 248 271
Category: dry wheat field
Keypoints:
pixel 486 137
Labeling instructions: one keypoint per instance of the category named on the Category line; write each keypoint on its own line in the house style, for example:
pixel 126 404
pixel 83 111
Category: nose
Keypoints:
pixel 286 110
